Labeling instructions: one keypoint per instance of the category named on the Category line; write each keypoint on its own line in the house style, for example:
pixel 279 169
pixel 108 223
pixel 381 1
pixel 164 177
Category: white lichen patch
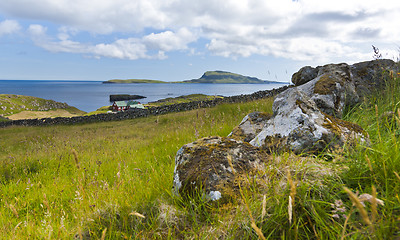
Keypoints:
pixel 214 195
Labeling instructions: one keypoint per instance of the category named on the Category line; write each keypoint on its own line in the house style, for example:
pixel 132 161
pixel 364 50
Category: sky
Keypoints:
pixel 181 39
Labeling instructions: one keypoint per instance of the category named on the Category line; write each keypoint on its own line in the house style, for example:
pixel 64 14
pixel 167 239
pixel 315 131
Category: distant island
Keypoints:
pixel 208 77
pixel 134 81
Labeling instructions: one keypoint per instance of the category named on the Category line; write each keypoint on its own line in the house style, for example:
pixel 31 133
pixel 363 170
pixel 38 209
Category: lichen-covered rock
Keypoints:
pixel 215 165
pixel 251 125
pixel 332 91
pixel 299 126
pixel 333 87
pixel 304 75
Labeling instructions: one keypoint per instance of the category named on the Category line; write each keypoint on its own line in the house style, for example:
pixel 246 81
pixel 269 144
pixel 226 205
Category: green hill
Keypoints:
pixel 225 77
pixel 11 104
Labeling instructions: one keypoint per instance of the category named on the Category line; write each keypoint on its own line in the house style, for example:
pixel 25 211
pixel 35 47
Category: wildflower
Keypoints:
pixel 338 207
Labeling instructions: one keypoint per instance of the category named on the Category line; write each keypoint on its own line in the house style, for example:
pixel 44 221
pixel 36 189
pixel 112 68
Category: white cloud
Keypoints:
pixel 170 41
pixel 9 27
pixel 129 48
pixel 37 31
pixel 299 30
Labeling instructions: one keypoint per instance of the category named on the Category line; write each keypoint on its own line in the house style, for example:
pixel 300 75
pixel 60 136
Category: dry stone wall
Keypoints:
pixel 138 113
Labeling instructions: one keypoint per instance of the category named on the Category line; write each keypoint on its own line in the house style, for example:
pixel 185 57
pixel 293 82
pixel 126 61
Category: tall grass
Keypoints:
pixel 113 180
pixel 59 181
pixel 375 167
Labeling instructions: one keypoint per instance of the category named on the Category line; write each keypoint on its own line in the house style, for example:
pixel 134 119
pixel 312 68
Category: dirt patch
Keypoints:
pixel 41 114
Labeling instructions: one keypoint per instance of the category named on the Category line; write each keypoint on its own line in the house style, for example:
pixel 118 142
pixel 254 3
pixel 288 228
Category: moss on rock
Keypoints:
pixel 326 84
pixel 215 165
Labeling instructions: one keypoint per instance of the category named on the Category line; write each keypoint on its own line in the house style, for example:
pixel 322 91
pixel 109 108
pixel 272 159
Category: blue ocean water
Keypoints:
pixel 91 95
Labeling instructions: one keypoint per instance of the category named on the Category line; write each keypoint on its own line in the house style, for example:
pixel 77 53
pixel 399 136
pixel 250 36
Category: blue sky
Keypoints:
pixel 181 39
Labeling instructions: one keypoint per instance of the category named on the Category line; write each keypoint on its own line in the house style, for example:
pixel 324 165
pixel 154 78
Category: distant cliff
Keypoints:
pixel 208 77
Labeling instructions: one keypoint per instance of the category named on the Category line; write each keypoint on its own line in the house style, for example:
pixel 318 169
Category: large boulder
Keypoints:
pixel 333 87
pixel 372 76
pixel 214 165
pixel 298 125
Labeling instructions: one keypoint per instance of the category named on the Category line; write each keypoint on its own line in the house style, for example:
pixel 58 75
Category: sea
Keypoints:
pixel 91 95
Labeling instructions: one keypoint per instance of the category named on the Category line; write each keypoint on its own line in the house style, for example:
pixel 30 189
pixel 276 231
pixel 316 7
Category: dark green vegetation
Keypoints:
pixel 11 104
pixel 182 99
pixel 114 180
pixel 208 77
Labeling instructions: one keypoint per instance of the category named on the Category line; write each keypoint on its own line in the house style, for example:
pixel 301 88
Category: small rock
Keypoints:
pixel 304 75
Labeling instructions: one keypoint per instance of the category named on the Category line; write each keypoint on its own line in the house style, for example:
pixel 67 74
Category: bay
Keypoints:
pixel 91 95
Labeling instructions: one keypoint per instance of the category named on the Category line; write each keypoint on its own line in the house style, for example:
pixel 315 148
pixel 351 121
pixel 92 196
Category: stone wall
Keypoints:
pixel 138 113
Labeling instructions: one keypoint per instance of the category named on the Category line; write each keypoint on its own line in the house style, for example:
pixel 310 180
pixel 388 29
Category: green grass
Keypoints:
pixel 95 179
pixel 12 104
pixel 124 165
pixel 3 119
pixel 101 110
pixel 182 99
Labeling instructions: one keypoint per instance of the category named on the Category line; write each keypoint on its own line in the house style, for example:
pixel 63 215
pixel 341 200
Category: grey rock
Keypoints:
pixel 304 75
pixel 338 86
pixel 251 125
pixel 215 165
pixel 371 76
pixel 299 126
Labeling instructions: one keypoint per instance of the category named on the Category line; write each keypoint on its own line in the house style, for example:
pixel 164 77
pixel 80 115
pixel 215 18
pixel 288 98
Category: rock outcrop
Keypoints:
pixel 305 119
pixel 298 125
pixel 336 86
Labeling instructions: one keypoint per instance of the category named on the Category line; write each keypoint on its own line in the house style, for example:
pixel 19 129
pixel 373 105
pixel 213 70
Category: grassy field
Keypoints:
pixel 113 180
pixel 182 99
pixel 22 107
